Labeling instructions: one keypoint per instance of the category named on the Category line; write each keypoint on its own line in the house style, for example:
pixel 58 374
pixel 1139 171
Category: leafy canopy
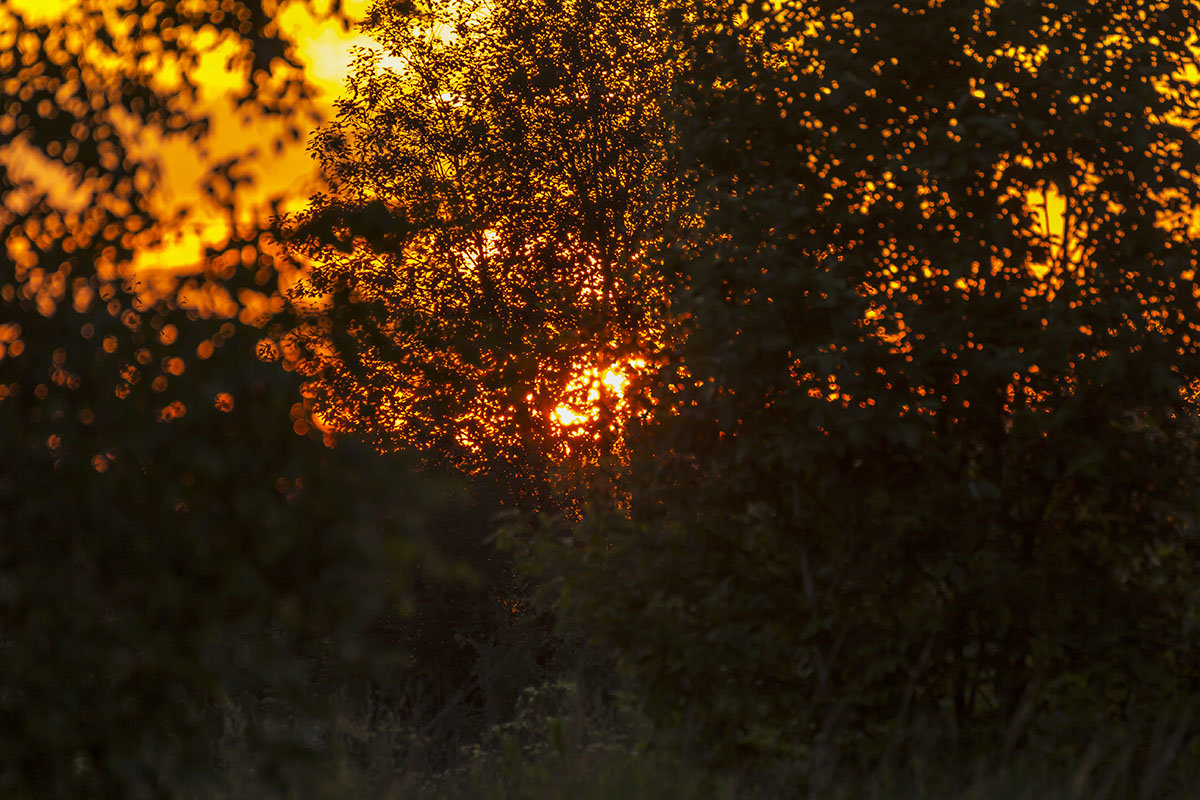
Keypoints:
pixel 936 449
pixel 479 278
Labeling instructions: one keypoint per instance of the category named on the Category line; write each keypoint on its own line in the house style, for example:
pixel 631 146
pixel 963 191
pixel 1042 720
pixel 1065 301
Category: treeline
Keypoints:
pixel 757 392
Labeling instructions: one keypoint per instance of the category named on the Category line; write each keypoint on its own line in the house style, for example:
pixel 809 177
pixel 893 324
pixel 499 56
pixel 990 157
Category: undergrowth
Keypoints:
pixel 563 742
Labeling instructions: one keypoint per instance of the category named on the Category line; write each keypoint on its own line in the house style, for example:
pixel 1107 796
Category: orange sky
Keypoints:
pixel 323 47
pixel 325 50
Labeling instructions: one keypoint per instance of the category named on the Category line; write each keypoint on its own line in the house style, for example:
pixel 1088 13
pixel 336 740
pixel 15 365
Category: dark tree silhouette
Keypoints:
pixel 167 543
pixel 481 257
pixel 939 444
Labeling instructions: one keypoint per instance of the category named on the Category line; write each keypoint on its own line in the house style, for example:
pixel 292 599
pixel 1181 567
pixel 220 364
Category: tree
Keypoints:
pixel 169 544
pixel 495 188
pixel 936 452
pixel 90 89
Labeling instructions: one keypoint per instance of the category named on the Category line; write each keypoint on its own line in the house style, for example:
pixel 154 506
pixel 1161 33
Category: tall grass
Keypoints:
pixel 563 742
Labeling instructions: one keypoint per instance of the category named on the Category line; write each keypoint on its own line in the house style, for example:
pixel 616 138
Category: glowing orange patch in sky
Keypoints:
pixel 325 50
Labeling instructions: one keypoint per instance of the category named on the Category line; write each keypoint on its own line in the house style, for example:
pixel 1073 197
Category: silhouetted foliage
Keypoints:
pixel 926 453
pixel 478 263
pixel 168 544
pixel 495 185
pixel 930 448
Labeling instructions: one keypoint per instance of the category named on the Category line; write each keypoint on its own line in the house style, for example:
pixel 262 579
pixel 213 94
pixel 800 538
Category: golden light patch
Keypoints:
pixel 589 392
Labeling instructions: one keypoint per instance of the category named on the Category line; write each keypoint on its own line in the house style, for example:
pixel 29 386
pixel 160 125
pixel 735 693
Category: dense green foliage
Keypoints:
pixel 935 454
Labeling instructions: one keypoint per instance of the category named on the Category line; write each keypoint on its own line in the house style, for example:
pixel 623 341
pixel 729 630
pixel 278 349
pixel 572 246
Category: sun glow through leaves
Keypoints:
pixel 593 391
